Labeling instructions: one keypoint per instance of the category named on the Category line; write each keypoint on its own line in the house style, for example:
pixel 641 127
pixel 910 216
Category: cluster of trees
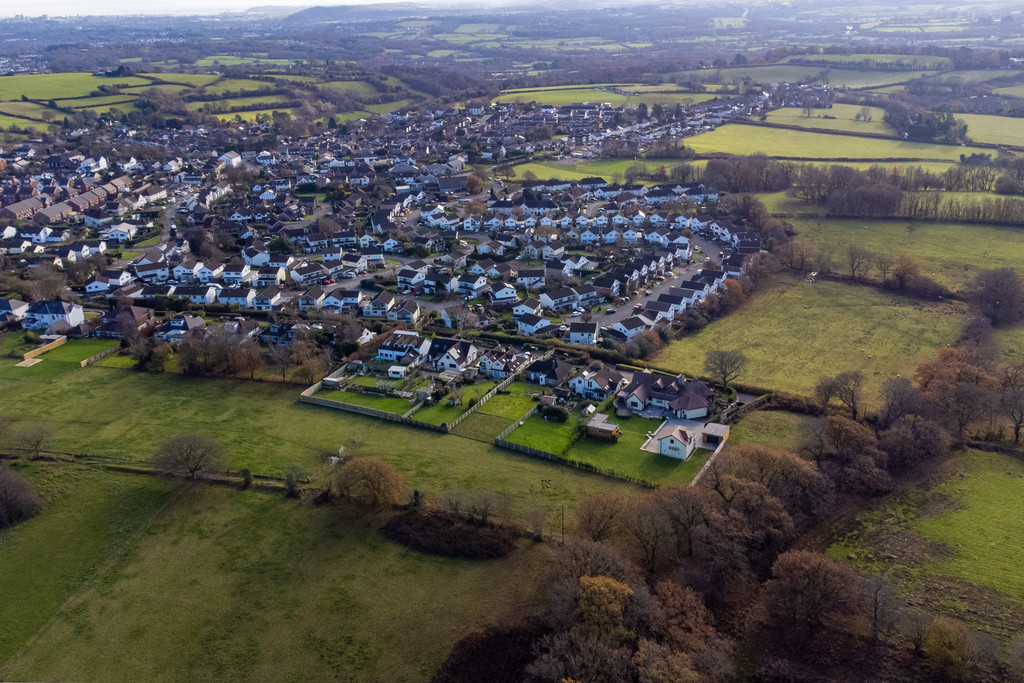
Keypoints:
pixel 928 125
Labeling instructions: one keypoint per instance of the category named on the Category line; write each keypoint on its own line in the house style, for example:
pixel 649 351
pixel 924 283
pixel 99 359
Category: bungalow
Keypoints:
pixel 200 294
pixel 548 373
pixel 176 329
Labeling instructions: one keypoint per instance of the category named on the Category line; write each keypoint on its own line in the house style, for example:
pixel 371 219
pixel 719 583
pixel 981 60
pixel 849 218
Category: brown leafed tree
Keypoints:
pixel 190 455
pixel 373 482
pixel 599 516
pixel 808 590
pixel 648 529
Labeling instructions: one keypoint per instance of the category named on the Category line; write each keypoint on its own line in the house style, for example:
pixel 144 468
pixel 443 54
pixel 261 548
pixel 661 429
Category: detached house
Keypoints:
pixel 451 354
pixel 44 315
pixel 500 362
pixel 675 395
pixel 596 384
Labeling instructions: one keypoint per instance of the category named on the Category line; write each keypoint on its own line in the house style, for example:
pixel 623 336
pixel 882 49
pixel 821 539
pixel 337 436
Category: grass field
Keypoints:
pixel 950 253
pixel 774 428
pixel 215 583
pixel 910 61
pixel 482 426
pixel 442 413
pixel 514 404
pixel 796 332
pixel 793 144
pixel 791 73
pixel 844 119
pixel 1012 91
pixel 261 101
pixel 238 85
pixel 359 89
pixel 955 546
pixel 605 168
pixel 59 85
pixel 386 403
pixel 195 80
pixel 998 130
pixel 564 96
pixel 75 350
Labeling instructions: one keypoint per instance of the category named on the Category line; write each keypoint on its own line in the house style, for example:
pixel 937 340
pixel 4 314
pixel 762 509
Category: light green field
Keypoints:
pixel 1012 91
pixel 796 333
pixel 949 253
pixel 388 107
pixel 9 122
pixel 478 28
pixel 605 168
pixel 916 62
pixel 386 403
pixel 938 544
pixel 75 350
pixel 29 109
pixel 777 73
pixel 999 130
pixel 845 119
pixel 231 60
pixel 90 102
pixel 743 139
pixel 261 101
pixel 565 96
pixel 442 413
pixel 60 85
pixel 170 88
pixel 209 581
pixel 251 115
pixel 238 85
pixel 359 89
pixel 553 437
pixel 773 428
pixel 975 76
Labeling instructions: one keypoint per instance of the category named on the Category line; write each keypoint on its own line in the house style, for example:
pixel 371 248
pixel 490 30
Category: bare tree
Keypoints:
pixel 189 455
pixel 884 265
pixel 535 516
pixel 858 260
pixel 34 439
pixel 849 388
pixel 724 365
pixel 249 357
pixel 881 606
pixel 18 500
pixel 598 516
pixel 280 358
pixel 649 530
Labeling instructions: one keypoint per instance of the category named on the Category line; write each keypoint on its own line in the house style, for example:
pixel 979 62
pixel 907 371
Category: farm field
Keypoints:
pixel 915 62
pixel 1012 91
pixel 791 73
pixel 793 144
pixel 949 253
pixel 844 119
pixel 59 85
pixel 194 80
pixel 355 88
pixel 625 458
pixel 605 168
pixel 237 85
pixel 261 101
pixel 954 545
pixel 514 404
pixel 563 96
pixel 997 130
pixel 213 581
pixel 251 115
pixel 825 328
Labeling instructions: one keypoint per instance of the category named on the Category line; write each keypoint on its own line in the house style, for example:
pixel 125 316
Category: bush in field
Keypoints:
pixel 18 500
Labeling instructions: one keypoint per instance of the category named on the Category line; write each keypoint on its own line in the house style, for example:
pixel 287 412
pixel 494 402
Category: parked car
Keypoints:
pixel 610 311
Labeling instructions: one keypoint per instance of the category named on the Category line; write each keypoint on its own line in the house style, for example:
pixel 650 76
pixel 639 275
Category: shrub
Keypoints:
pixel 246 476
pixel 18 500
pixel 440 533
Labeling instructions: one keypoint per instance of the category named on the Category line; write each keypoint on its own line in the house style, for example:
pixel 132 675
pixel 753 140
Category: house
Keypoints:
pixel 186 271
pixel 405 347
pixel 343 300
pixel 310 273
pixel 312 299
pixel 548 373
pixel 528 305
pixel 12 309
pixel 270 276
pixel 451 354
pixel 175 329
pixel 268 300
pixel 380 306
pixel 650 391
pixel 675 441
pixel 472 285
pixel 408 312
pixel 44 315
pixel 500 362
pixel 126 321
pixel 533 324
pixel 243 297
pixel 531 278
pixel 630 327
pixel 200 294
pixel 558 299
pixel 503 295
pixel 122 232
pixel 596 384
pixel 584 334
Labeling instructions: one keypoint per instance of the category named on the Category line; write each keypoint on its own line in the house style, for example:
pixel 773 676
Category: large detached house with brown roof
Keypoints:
pixel 649 391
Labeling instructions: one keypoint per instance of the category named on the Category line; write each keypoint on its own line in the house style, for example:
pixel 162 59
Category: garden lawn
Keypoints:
pixel 388 404
pixel 796 144
pixel 76 350
pixel 553 437
pixel 442 413
pixel 624 457
pixel 481 426
pixel 225 585
pixel 514 404
pixel 796 332
pixel 952 254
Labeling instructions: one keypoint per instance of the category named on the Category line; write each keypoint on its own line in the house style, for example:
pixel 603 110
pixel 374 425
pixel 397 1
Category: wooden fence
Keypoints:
pixel 101 355
pixel 38 351
pixel 508 430
pixel 307 397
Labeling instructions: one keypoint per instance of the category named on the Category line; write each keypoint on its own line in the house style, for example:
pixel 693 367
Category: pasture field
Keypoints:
pixel 232 60
pixel 998 130
pixel 512 405
pixel 575 95
pixel 75 350
pixel 605 168
pixel 354 88
pixel 388 107
pixel 949 253
pixel 238 85
pixel 1011 91
pixel 261 101
pixel 194 80
pixel 90 102
pixel 795 144
pixel 31 109
pixel 975 75
pixel 170 88
pixel 251 115
pixel 624 456
pixel 9 122
pixel 797 332
pixel 954 546
pixel 59 85
pixel 844 119
pixel 774 428
pixel 908 61
pixel 214 583
pixel 791 73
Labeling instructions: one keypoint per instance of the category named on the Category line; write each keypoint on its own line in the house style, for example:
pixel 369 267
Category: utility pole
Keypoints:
pixel 563 524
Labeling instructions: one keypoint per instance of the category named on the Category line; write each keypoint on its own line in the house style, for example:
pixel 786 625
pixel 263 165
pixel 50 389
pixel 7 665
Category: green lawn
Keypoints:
pixel 442 413
pixel 774 428
pixel 512 405
pixel 388 404
pixel 482 426
pixel 949 253
pixel 796 332
pixel 795 144
pixel 238 85
pixel 211 583
pixel 75 350
pixel 936 543
pixel 624 457
pixel 553 437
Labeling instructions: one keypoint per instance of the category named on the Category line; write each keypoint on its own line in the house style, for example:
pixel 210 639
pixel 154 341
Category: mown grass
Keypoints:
pixel 774 428
pixel 795 144
pixel 553 437
pixel 998 130
pixel 358 89
pixel 797 332
pixel 624 456
pixel 230 585
pixel 75 350
pixel 387 404
pixel 512 405
pixel 442 413
pixel 482 426
pixel 238 85
pixel 949 253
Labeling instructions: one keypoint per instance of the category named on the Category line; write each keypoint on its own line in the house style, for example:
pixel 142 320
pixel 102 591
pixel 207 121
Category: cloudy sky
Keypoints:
pixel 10 8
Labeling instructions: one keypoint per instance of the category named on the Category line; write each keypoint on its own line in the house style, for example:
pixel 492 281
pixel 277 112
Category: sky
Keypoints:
pixel 10 8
